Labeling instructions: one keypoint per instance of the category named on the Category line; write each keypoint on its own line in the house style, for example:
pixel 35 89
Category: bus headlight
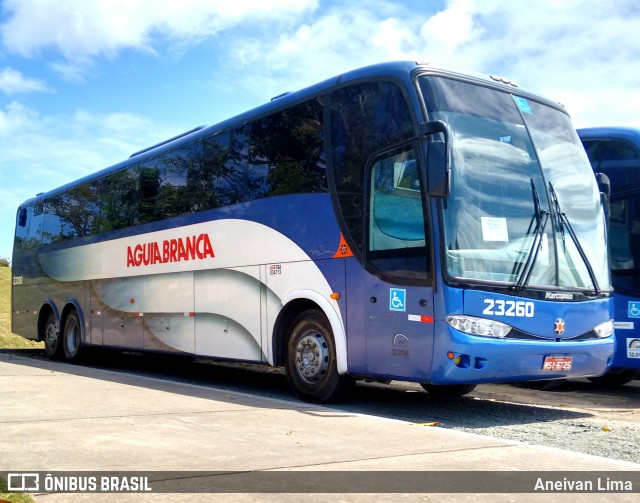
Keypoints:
pixel 478 326
pixel 604 329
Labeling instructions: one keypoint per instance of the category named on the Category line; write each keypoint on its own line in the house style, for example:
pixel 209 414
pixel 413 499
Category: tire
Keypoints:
pixel 447 390
pixel 52 338
pixel 311 367
pixel 615 378
pixel 72 337
pixel 541 385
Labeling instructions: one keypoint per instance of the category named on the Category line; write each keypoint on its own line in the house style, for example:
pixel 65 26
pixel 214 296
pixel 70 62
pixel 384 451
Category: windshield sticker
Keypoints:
pixel 523 105
pixel 494 229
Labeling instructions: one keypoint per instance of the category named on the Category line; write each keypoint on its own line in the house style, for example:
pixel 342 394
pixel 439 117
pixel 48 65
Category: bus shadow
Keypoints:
pixel 166 373
pixel 583 386
pixel 258 386
pixel 474 412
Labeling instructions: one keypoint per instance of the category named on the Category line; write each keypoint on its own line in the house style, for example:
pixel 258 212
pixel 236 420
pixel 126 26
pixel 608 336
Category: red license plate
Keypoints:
pixel 557 363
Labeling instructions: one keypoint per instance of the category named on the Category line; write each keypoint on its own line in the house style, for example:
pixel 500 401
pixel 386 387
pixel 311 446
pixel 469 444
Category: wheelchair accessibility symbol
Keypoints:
pixel 634 310
pixel 397 298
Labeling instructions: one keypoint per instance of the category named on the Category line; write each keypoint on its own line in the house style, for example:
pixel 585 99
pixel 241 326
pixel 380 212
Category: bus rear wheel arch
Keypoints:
pixel 310 362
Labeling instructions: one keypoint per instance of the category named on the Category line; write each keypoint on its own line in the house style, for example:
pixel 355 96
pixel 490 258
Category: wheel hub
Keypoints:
pixel 312 357
pixel 51 335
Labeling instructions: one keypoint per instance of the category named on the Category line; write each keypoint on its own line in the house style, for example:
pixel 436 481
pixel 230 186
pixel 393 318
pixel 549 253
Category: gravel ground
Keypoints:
pixel 599 421
pixel 579 416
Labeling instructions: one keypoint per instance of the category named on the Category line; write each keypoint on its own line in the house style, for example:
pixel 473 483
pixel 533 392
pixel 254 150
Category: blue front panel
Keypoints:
pixel 483 359
pixel 539 317
pixel 627 318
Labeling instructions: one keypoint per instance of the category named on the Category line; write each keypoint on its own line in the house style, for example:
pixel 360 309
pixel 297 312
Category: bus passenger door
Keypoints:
pixel 390 299
pixel 390 315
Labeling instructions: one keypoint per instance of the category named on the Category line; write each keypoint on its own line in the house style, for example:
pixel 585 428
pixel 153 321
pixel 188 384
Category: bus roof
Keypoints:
pixel 628 133
pixel 400 70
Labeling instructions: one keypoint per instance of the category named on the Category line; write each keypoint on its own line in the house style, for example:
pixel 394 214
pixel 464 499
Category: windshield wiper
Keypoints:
pixel 541 217
pixel 562 222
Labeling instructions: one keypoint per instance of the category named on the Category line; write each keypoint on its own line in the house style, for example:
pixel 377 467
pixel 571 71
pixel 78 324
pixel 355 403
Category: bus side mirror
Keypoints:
pixel 604 185
pixel 438 159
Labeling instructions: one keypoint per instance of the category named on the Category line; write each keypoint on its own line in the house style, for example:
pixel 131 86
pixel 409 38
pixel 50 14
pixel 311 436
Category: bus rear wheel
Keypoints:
pixel 311 366
pixel 72 337
pixel 52 339
pixel 447 390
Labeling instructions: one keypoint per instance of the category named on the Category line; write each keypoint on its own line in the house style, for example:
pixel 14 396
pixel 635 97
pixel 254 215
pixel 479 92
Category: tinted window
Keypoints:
pixel 69 214
pixel 165 190
pixel 609 150
pixel 245 174
pixel 218 165
pixel 280 154
pixel 118 201
pixel 365 118
pixel 29 235
pixel 287 150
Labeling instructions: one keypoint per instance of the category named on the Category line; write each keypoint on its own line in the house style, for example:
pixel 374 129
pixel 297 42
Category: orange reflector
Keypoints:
pixel 131 301
pixel 450 355
pixel 335 295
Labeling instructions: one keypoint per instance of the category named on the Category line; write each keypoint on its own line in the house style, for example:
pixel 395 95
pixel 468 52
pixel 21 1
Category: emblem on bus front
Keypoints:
pixel 559 326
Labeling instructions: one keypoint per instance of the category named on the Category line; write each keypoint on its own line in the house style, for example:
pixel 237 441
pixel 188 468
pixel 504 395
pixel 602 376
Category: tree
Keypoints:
pixel 4 262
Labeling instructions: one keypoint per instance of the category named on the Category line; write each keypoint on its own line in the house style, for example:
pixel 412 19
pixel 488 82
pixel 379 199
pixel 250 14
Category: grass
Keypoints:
pixel 12 497
pixel 9 340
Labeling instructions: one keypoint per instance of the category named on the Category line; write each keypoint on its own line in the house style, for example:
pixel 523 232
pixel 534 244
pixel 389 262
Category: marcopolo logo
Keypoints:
pixel 558 296
pixel 170 250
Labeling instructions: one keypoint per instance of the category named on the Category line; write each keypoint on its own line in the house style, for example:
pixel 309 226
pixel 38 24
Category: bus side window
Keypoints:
pixel 25 220
pixel 22 217
pixel 365 118
pixel 29 236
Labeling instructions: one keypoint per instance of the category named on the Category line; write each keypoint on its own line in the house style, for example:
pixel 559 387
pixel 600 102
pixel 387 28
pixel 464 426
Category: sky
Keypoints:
pixel 85 83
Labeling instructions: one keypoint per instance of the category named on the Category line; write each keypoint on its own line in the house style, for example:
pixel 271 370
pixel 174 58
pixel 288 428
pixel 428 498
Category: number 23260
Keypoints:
pixel 519 308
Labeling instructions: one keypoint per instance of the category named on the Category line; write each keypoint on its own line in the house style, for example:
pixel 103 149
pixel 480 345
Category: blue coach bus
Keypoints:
pixel 615 151
pixel 397 222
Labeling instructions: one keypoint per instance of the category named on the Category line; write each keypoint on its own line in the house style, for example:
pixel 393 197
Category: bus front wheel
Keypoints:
pixel 52 339
pixel 311 360
pixel 72 337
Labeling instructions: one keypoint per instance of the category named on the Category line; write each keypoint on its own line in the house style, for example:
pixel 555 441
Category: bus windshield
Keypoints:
pixel 521 210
